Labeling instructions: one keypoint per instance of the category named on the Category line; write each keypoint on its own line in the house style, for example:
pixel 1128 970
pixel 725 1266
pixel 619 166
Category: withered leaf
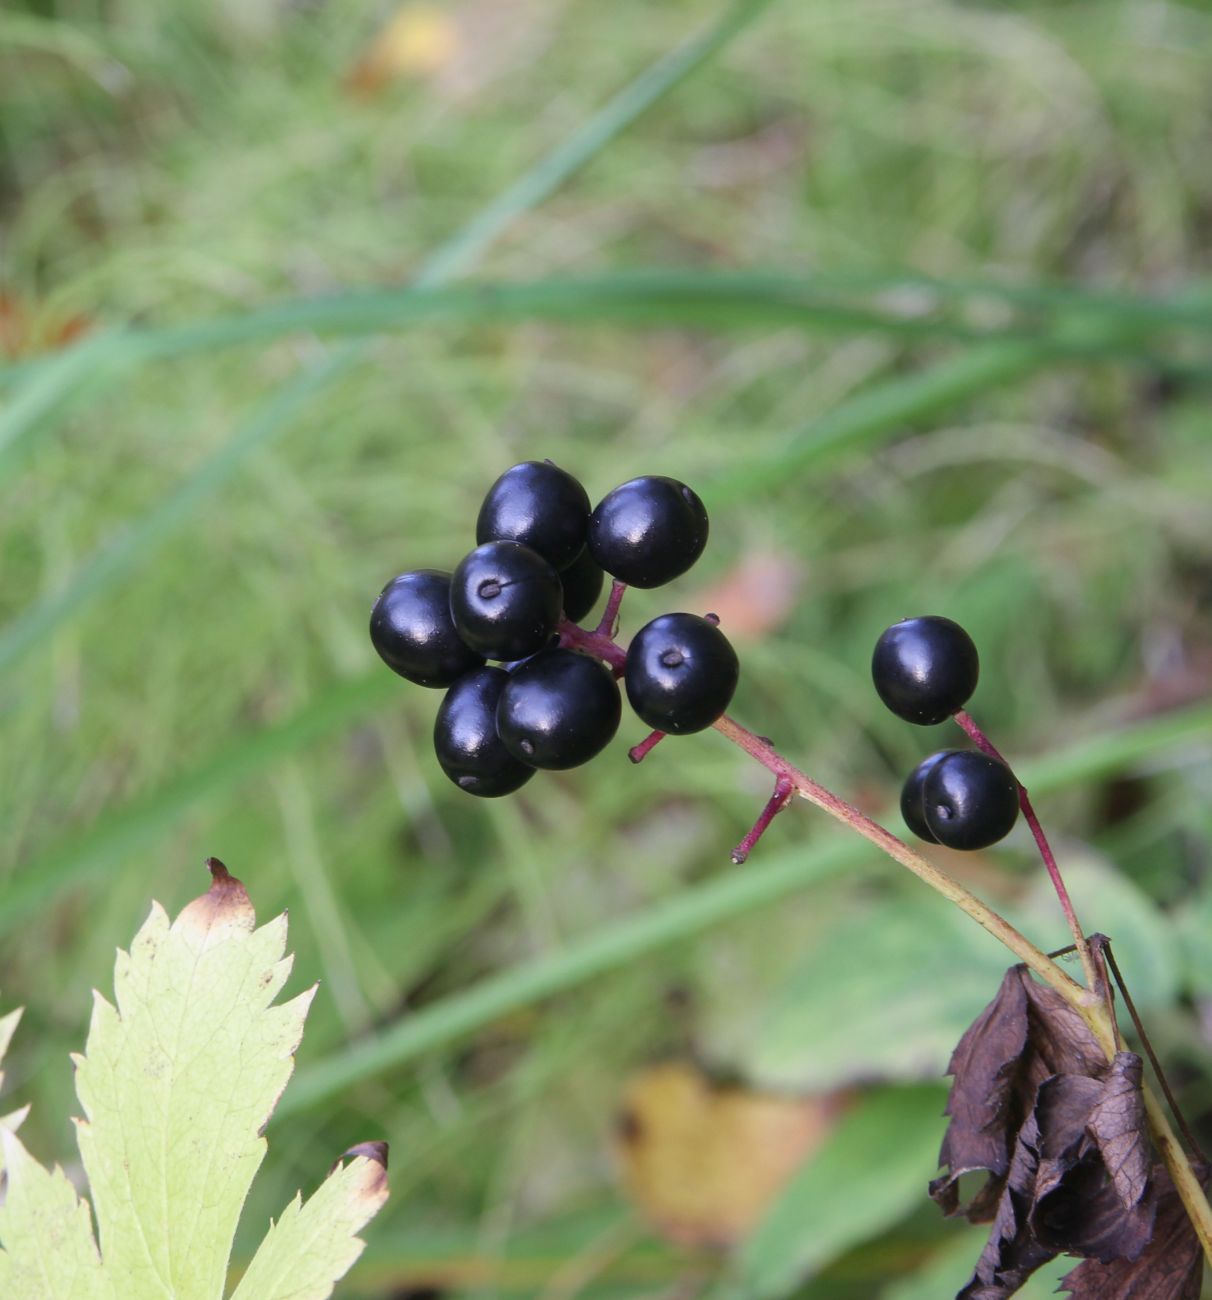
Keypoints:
pixel 1094 1164
pixel 1077 1182
pixel 1059 1130
pixel 1012 1253
pixel 1171 1267
pixel 1027 1033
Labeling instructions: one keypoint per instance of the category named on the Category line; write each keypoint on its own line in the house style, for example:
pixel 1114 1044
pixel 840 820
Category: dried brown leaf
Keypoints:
pixel 1061 1133
pixel 1026 1034
pixel 1012 1253
pixel 1090 1191
pixel 1171 1267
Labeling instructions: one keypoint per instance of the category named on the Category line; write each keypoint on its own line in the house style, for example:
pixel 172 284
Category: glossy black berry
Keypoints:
pixel 465 737
pixel 912 809
pixel 541 506
pixel 681 673
pixel 648 531
pixel 412 629
pixel 582 582
pixel 967 799
pixel 925 669
pixel 559 709
pixel 505 600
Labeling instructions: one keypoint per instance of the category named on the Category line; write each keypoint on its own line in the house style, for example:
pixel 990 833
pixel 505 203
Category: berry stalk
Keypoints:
pixel 1095 978
pixel 611 613
pixel 597 643
pixel 759 748
pixel 638 753
pixel 783 790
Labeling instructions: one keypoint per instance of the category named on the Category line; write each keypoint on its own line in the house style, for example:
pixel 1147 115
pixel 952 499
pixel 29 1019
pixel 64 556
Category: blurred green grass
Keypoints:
pixel 189 556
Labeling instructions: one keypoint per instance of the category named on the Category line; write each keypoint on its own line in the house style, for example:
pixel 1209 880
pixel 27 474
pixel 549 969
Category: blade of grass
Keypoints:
pixel 48 391
pixel 689 913
pixel 548 175
pixel 839 300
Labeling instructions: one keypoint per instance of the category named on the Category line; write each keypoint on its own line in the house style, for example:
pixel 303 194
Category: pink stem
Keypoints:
pixel 985 745
pixel 783 790
pixel 637 753
pixel 611 612
pixel 597 643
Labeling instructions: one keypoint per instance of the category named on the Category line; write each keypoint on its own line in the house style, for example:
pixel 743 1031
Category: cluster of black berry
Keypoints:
pixel 538 568
pixel 925 670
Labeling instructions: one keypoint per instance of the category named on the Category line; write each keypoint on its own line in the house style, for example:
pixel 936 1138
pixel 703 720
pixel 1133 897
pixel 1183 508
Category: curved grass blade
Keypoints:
pixel 117 558
pixel 832 300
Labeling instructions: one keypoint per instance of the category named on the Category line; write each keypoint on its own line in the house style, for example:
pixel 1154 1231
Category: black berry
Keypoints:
pixel 648 531
pixel 681 673
pixel 505 600
pixel 541 506
pixel 412 629
pixel 582 582
pixel 925 669
pixel 967 800
pixel 559 709
pixel 912 809
pixel 465 737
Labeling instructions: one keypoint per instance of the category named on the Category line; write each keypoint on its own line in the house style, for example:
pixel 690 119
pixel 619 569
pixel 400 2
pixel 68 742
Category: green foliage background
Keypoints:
pixel 189 557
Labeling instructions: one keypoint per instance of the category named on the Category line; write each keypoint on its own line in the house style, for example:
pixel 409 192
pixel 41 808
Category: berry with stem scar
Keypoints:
pixel 559 709
pixel 964 799
pixel 681 673
pixel 505 600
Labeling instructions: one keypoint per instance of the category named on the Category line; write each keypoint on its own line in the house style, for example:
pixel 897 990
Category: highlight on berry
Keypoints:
pixel 516 600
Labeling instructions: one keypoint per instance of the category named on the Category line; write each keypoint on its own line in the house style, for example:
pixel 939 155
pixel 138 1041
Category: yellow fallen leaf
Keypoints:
pixel 703 1160
pixel 418 40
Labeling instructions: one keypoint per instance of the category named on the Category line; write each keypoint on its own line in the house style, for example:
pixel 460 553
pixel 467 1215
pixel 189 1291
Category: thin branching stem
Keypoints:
pixel 760 748
pixel 1095 979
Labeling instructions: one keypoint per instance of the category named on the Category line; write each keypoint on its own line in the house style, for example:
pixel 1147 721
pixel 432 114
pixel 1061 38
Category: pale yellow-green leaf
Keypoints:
pixel 179 1077
pixel 11 1121
pixel 314 1244
pixel 49 1251
pixel 8 1025
pixel 177 1082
